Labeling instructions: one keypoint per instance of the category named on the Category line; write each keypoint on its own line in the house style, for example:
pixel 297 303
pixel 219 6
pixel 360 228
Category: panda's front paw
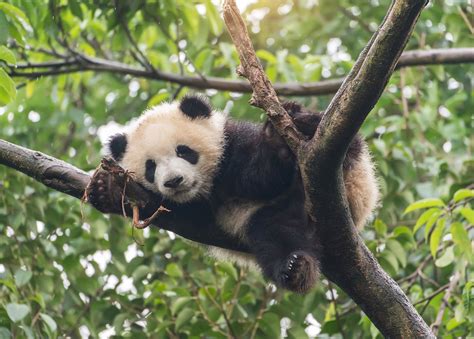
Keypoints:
pixel 299 272
pixel 101 194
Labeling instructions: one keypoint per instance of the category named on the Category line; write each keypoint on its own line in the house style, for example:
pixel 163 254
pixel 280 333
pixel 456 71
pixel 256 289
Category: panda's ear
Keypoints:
pixel 117 145
pixel 195 106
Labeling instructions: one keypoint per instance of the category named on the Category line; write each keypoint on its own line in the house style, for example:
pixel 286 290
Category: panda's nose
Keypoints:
pixel 173 183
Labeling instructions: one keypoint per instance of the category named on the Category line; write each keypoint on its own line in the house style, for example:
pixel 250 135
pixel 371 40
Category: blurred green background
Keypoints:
pixel 63 273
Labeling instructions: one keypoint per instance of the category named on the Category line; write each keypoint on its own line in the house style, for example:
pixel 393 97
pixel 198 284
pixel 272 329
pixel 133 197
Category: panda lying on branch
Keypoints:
pixel 240 177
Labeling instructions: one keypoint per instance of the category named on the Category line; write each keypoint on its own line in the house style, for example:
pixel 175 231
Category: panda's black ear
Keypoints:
pixel 196 106
pixel 117 145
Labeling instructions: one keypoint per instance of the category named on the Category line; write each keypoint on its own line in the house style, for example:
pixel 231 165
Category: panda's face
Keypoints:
pixel 173 149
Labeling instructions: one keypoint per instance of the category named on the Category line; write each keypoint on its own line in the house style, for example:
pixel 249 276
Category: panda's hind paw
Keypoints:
pixel 299 272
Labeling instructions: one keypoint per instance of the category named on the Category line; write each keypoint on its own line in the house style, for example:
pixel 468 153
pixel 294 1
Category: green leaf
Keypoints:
pixel 436 236
pixel 16 15
pixel 468 296
pixel 179 303
pixel 425 203
pixel 17 312
pixel 228 268
pixel 446 259
pixel 425 217
pixel 183 317
pixel 76 9
pixel 391 259
pixel 5 333
pixel 397 249
pixel 22 277
pixel 8 86
pixel 463 194
pixel 467 213
pixel 460 237
pixel 7 55
pixel 453 323
pixel 431 221
pixel 158 98
pixel 140 272
pixel 49 321
pixel 28 331
pixel 380 227
pixel 213 18
pixel 270 324
pixel 174 270
pixel 267 56
pixel 296 332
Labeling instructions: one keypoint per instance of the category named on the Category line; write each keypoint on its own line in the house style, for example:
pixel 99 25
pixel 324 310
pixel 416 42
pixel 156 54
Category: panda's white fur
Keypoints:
pixel 156 134
pixel 362 188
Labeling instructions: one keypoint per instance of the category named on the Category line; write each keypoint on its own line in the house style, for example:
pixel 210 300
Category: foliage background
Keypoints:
pixel 63 272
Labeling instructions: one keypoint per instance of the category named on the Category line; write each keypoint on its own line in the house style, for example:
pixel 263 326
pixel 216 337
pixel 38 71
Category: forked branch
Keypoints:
pixel 345 259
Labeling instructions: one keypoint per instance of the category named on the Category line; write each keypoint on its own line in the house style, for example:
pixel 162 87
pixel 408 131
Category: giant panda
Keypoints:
pixel 187 152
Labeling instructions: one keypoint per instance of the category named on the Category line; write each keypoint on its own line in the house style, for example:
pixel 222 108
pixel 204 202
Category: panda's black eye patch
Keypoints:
pixel 187 154
pixel 150 168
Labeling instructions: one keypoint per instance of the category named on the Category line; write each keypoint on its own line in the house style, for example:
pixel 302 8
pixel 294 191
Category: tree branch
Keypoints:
pixel 68 179
pixel 345 258
pixel 264 96
pixel 324 87
pixel 439 317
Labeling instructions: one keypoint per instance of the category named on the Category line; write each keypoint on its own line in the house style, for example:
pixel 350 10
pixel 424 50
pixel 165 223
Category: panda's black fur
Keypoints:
pixel 256 194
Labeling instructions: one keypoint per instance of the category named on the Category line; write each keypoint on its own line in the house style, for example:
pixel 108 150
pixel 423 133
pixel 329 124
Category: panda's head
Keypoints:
pixel 173 149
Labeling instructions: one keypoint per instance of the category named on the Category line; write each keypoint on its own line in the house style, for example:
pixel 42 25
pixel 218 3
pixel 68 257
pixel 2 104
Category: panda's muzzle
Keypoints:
pixel 175 182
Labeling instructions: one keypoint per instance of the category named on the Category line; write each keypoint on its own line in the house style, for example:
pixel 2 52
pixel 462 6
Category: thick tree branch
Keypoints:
pixel 72 65
pixel 346 260
pixel 366 81
pixel 68 179
pixel 50 171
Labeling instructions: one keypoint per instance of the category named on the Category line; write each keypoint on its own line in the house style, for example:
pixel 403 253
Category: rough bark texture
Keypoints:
pixel 82 63
pixel 346 260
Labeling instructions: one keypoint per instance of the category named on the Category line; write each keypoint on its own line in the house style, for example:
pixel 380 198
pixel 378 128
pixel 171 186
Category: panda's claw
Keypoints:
pixel 299 272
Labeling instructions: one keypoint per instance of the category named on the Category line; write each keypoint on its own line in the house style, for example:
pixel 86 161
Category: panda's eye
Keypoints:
pixel 150 168
pixel 187 154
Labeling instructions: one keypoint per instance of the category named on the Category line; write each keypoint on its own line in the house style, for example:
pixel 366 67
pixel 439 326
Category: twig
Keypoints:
pixel 263 306
pixel 432 295
pixel 204 313
pixel 358 19
pixel 336 312
pixel 224 313
pixel 468 21
pixel 141 58
pixel 439 317
pixel 264 96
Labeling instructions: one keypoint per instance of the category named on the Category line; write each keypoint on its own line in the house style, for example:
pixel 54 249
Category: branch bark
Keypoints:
pixel 346 260
pixel 69 65
pixel 264 96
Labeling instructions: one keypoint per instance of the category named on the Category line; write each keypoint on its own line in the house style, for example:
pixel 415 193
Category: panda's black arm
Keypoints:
pixel 195 222
pixel 191 221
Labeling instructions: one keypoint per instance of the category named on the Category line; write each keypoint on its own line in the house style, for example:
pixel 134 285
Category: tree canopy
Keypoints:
pixel 69 67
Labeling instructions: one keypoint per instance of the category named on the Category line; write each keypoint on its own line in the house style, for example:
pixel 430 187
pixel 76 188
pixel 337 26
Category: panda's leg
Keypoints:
pixel 283 250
